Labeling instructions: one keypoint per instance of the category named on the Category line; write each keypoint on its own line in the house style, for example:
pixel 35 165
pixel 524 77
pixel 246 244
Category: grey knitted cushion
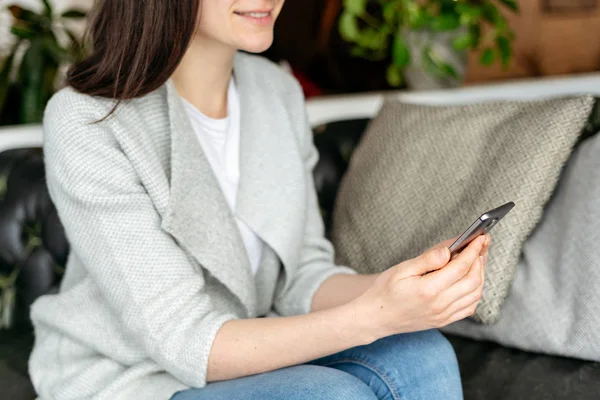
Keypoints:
pixel 422 174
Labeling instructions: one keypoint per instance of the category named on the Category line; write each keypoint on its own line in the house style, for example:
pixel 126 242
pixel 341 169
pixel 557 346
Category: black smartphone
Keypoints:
pixel 481 226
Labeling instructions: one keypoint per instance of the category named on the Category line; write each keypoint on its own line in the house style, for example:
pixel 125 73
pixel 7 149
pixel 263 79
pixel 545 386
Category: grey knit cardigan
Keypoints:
pixel 157 264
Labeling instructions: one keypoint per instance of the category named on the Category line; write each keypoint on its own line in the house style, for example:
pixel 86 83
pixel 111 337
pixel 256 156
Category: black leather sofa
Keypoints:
pixel 32 237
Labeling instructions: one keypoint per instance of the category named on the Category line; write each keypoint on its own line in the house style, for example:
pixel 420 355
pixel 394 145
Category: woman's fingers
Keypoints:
pixel 445 243
pixel 469 284
pixel 457 268
pixel 471 299
pixel 464 307
pixel 461 314
pixel 431 260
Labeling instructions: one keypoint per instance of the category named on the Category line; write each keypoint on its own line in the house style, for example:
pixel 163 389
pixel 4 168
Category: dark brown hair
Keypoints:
pixel 136 46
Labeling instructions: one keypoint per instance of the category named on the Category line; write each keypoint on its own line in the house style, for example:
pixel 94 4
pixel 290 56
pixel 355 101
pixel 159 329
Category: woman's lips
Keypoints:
pixel 257 17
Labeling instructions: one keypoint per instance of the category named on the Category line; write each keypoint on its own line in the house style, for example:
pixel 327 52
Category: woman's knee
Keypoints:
pixel 419 365
pixel 429 348
pixel 433 345
pixel 294 383
pixel 431 351
pixel 324 383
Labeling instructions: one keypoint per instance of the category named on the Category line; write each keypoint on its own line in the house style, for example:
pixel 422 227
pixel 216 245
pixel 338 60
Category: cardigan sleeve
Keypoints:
pixel 153 289
pixel 316 263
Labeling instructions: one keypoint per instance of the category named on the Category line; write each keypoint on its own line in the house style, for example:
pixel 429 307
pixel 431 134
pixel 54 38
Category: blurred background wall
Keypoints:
pixel 553 37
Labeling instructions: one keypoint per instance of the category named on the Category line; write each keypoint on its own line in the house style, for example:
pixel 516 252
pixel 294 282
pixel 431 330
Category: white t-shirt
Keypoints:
pixel 220 140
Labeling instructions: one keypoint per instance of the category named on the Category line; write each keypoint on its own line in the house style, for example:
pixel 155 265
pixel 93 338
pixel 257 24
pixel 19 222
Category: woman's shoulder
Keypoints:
pixel 69 112
pixel 69 105
pixel 68 102
pixel 70 115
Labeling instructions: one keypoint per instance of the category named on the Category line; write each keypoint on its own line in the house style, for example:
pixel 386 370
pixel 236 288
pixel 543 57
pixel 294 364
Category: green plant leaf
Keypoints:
pixel 348 27
pixel 512 4
pixel 390 12
pixel 436 66
pixel 372 39
pixel 400 52
pixel 358 52
pixel 416 16
pixel 468 14
pixel 31 105
pixel 22 31
pixel 491 14
pixel 488 56
pixel 23 14
pixel 377 55
pixel 504 49
pixel 393 76
pixel 47 8
pixel 73 14
pixel 355 7
pixel 448 70
pixel 7 66
pixel 463 42
pixel 54 56
pixel 366 39
pixel 31 75
pixel 53 50
pixel 475 32
pixel 445 22
pixel 49 80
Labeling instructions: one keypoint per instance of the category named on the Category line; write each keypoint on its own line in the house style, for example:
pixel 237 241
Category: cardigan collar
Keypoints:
pixel 198 215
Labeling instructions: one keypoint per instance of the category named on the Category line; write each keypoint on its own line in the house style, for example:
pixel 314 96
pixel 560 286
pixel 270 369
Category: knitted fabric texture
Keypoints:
pixel 554 301
pixel 422 174
pixel 157 264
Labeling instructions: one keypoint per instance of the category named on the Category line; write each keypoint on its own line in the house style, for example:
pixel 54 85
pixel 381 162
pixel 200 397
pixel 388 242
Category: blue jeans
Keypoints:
pixel 412 366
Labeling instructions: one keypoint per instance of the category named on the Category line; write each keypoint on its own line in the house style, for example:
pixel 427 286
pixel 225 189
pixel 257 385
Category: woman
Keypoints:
pixel 181 170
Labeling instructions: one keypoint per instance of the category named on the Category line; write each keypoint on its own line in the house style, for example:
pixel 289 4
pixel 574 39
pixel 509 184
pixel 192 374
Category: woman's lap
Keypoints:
pixel 413 366
pixel 293 383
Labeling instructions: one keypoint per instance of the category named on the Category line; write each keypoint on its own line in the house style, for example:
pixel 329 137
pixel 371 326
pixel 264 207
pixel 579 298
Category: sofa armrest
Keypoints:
pixel 20 137
pixel 322 110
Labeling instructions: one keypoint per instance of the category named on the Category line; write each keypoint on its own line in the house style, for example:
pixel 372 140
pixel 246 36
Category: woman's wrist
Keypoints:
pixel 340 289
pixel 359 323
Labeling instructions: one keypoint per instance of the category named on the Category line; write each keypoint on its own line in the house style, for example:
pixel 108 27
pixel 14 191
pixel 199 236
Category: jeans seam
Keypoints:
pixel 363 363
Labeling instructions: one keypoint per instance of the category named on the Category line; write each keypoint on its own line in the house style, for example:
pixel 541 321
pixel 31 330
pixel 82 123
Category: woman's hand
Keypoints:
pixel 429 291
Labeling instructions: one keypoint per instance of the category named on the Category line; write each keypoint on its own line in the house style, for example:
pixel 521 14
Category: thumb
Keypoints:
pixel 431 260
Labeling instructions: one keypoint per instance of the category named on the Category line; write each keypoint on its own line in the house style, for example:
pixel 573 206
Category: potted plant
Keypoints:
pixel 46 44
pixel 427 40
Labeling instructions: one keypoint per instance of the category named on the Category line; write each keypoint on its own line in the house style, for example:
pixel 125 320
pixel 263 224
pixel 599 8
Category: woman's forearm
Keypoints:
pixel 251 346
pixel 341 289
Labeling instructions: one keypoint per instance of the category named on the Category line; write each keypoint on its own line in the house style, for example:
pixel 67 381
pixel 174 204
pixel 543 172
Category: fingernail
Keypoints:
pixel 482 260
pixel 487 240
pixel 482 240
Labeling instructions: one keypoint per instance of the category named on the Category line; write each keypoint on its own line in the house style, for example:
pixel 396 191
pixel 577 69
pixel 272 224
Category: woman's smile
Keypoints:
pixel 256 17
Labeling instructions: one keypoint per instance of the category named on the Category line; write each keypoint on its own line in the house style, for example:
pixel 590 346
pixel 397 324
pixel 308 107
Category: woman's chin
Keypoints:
pixel 255 46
